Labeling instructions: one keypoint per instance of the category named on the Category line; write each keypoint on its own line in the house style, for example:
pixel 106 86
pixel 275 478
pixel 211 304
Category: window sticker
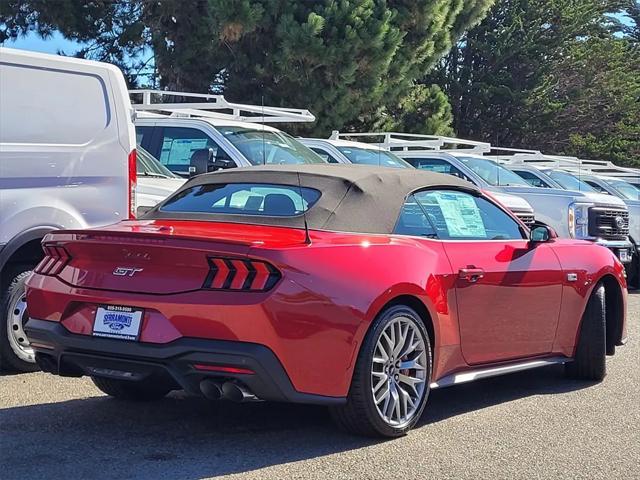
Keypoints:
pixel 180 150
pixel 461 214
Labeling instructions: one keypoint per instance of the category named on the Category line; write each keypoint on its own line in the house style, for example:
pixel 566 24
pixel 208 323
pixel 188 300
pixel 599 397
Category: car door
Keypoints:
pixel 508 290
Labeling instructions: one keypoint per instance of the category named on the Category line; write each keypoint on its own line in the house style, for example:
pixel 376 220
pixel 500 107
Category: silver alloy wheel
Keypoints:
pixel 17 315
pixel 399 371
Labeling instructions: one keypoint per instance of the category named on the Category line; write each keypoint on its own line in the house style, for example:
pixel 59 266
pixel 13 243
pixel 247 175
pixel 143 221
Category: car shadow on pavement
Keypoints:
pixel 191 438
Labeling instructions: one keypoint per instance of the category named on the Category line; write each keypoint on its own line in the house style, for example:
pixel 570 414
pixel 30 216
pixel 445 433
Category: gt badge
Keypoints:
pixel 126 271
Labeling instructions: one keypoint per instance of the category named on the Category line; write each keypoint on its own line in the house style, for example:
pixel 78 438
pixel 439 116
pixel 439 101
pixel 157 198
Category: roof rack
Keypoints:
pixel 395 141
pixel 151 103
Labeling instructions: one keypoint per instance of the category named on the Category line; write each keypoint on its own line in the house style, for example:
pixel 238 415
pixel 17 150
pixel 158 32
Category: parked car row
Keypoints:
pixel 73 165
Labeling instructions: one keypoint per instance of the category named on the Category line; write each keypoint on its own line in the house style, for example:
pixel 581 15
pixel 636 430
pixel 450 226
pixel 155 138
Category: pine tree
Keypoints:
pixel 348 61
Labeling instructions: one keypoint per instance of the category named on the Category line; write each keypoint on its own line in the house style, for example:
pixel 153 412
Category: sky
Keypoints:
pixel 50 45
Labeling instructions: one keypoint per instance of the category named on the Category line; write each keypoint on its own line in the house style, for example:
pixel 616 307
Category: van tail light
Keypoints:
pixel 54 261
pixel 133 182
pixel 237 274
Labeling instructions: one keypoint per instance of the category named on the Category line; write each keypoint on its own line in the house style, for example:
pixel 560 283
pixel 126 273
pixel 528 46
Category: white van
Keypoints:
pixel 67 160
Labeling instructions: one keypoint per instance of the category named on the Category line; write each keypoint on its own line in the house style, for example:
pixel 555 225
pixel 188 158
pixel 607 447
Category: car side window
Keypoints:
pixel 532 179
pixel 458 215
pixel 324 154
pixel 143 135
pixel 437 165
pixel 413 220
pixel 597 187
pixel 179 144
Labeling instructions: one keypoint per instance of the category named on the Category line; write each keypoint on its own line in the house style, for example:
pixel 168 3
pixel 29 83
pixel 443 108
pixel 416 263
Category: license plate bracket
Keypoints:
pixel 624 256
pixel 117 321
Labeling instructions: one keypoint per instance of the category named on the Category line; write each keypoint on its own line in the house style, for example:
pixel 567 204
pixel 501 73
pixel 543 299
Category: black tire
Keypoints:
pixel 589 362
pixel 10 357
pixel 359 415
pixel 139 391
pixel 633 270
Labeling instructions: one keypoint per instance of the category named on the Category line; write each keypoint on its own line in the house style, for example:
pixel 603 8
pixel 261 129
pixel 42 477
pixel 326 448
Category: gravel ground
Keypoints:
pixel 529 425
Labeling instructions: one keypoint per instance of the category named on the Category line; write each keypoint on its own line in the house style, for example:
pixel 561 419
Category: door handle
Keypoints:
pixel 471 274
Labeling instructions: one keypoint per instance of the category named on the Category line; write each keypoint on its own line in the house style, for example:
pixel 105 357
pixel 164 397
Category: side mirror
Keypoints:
pixel 143 210
pixel 200 162
pixel 221 163
pixel 541 233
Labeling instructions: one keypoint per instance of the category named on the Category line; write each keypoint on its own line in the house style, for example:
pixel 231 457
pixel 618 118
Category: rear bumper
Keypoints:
pixel 63 353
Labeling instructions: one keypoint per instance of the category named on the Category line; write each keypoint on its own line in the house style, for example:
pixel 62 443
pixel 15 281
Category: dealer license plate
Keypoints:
pixel 624 256
pixel 115 321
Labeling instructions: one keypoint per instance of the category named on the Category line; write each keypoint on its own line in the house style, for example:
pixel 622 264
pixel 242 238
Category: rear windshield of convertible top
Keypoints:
pixel 264 199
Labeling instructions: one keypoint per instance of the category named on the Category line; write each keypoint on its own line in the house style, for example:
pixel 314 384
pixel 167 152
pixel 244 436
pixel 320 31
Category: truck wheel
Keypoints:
pixel 15 351
pixel 144 390
pixel 391 379
pixel 589 362
pixel 633 270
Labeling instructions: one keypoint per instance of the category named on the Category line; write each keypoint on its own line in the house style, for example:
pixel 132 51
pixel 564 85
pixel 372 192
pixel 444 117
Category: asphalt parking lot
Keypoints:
pixel 534 424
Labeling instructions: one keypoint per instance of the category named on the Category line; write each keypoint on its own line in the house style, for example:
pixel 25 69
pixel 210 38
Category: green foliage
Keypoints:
pixel 348 61
pixel 554 75
pixel 595 102
pixel 426 109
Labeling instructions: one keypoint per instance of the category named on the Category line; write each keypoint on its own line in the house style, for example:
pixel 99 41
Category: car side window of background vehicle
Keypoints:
pixel 324 155
pixel 179 144
pixel 437 165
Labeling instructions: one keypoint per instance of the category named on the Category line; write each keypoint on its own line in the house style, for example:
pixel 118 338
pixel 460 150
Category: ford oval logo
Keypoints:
pixel 620 223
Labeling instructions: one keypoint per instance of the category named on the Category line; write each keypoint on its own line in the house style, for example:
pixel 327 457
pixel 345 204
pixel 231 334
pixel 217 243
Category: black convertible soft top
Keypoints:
pixel 355 198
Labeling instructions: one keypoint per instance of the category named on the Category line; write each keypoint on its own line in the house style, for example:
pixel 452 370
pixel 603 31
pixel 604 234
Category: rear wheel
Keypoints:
pixel 144 390
pixel 390 382
pixel 15 351
pixel 589 362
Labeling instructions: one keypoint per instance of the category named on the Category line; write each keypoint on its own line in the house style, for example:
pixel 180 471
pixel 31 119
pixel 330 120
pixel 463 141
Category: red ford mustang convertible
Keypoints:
pixel 353 287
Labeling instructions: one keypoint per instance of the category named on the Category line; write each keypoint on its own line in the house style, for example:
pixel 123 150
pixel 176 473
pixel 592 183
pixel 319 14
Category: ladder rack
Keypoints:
pixel 151 104
pixel 408 142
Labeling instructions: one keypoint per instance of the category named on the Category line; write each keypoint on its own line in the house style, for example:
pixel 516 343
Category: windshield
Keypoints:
pixel 268 147
pixel 148 166
pixel 494 173
pixel 627 190
pixel 570 182
pixel 367 156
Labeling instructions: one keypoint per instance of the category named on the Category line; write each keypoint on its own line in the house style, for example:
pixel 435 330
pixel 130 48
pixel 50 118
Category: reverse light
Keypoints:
pixel 55 259
pixel 240 274
pixel 133 182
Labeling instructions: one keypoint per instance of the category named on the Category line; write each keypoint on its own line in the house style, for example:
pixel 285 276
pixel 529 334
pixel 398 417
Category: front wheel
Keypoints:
pixel 589 362
pixel 390 382
pixel 15 351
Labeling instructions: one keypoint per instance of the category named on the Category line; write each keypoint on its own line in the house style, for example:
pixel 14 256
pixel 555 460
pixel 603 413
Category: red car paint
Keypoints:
pixel 315 318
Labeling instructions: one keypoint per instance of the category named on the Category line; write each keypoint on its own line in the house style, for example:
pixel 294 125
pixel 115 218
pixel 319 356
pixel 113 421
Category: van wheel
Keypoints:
pixel 589 362
pixel 15 351
pixel 142 390
pixel 391 379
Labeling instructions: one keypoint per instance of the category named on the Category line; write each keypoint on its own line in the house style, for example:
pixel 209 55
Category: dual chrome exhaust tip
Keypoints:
pixel 217 390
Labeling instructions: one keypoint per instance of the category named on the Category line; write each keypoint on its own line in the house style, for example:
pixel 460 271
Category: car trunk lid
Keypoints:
pixel 160 257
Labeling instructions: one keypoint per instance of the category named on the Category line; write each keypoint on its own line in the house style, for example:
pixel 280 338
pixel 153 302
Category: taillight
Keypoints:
pixel 240 275
pixel 133 183
pixel 55 259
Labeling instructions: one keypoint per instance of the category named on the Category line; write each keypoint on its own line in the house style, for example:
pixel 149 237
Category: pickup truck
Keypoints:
pixel 573 214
